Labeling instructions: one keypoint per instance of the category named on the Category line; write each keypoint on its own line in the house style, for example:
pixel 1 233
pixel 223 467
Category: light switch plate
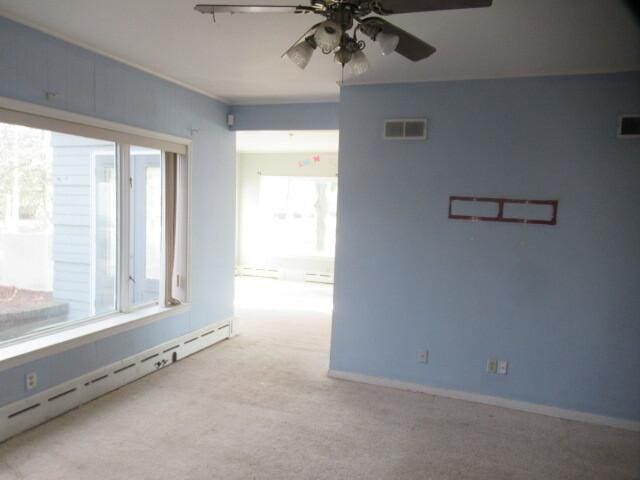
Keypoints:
pixel 503 367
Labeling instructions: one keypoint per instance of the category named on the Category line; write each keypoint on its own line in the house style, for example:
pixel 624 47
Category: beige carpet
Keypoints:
pixel 260 406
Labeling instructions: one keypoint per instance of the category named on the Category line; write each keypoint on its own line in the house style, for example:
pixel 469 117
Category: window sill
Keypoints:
pixel 58 341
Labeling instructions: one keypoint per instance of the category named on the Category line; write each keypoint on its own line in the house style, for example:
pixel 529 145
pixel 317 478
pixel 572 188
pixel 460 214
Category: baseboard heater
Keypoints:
pixel 254 271
pixel 318 277
pixel 27 413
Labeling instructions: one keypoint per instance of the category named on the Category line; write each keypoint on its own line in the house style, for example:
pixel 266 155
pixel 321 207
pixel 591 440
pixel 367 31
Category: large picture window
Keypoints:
pixel 62 235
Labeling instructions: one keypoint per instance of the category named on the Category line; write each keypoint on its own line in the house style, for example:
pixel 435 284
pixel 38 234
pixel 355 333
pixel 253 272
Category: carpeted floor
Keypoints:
pixel 260 406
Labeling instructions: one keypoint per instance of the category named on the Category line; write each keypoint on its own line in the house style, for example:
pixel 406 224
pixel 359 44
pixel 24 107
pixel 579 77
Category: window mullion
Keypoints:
pixel 124 227
pixel 162 298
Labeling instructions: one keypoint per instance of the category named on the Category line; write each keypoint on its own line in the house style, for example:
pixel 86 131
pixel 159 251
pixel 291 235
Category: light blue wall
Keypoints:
pixel 294 116
pixel 32 63
pixel 561 303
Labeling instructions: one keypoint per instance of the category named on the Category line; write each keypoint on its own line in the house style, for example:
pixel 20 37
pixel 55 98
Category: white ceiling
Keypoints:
pixel 287 142
pixel 238 59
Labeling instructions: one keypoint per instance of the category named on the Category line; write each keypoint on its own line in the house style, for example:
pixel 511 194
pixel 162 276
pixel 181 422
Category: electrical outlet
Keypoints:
pixel 492 365
pixel 503 366
pixel 423 356
pixel 31 380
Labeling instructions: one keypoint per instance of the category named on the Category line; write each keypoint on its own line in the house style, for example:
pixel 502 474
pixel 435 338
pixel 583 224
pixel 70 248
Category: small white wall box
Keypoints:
pixel 629 126
pixel 423 356
pixel 503 367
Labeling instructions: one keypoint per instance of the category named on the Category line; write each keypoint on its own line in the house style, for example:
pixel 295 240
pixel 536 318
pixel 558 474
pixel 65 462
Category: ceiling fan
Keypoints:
pixel 332 34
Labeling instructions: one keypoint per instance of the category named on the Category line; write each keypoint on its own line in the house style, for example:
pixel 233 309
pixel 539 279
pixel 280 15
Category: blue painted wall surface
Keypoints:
pixel 561 304
pixel 32 63
pixel 293 116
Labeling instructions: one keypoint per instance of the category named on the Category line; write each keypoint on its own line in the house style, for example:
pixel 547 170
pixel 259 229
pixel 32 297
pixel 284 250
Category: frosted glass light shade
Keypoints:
pixel 300 53
pixel 388 42
pixel 342 56
pixel 328 35
pixel 357 65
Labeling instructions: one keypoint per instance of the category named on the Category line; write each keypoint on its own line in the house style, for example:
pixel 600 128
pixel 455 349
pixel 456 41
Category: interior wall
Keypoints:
pixel 292 116
pixel 250 167
pixel 32 63
pixel 560 303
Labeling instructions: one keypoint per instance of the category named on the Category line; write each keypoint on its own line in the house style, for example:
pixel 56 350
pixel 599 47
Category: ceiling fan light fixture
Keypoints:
pixel 328 35
pixel 357 65
pixel 388 42
pixel 341 16
pixel 301 52
pixel 343 56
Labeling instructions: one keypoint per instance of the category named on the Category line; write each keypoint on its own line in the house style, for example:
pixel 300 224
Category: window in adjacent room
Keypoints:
pixel 298 215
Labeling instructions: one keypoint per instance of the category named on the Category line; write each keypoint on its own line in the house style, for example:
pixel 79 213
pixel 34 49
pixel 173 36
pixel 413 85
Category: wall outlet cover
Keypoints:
pixel 423 356
pixel 31 380
pixel 503 367
pixel 492 365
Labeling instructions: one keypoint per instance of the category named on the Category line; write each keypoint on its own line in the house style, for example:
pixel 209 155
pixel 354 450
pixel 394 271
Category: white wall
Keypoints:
pixel 250 167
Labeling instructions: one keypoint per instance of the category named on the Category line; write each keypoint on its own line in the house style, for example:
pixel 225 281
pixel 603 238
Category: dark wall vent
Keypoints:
pixel 405 129
pixel 629 126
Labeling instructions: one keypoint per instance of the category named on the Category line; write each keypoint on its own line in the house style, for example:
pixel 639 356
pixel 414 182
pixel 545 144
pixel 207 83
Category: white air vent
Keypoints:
pixel 405 129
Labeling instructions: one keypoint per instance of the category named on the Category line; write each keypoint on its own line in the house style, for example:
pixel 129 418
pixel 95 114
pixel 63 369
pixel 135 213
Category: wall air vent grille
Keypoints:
pixel 405 129
pixel 629 126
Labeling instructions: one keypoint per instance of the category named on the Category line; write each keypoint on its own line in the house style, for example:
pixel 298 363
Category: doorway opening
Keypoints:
pixel 287 192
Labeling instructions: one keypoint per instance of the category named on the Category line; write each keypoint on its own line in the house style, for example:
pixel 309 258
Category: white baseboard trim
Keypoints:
pixel 491 400
pixel 29 412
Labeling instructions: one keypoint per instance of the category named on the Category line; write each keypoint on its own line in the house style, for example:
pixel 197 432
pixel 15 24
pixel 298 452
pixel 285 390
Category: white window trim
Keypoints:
pixel 55 340
pixel 46 118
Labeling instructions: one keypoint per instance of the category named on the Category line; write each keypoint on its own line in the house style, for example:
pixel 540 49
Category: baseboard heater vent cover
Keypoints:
pixel 318 277
pixel 27 413
pixel 255 271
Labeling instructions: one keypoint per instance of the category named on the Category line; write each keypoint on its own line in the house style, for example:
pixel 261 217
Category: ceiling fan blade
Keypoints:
pixel 388 7
pixel 409 46
pixel 213 9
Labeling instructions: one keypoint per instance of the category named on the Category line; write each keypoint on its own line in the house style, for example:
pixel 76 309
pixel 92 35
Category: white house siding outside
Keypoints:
pixel 83 224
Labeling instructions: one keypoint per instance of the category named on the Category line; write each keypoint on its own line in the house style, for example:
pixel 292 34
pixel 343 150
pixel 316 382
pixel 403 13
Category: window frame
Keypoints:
pixel 124 302
pixel 125 316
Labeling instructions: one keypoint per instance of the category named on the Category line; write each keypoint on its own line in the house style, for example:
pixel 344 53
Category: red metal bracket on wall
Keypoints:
pixel 501 203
